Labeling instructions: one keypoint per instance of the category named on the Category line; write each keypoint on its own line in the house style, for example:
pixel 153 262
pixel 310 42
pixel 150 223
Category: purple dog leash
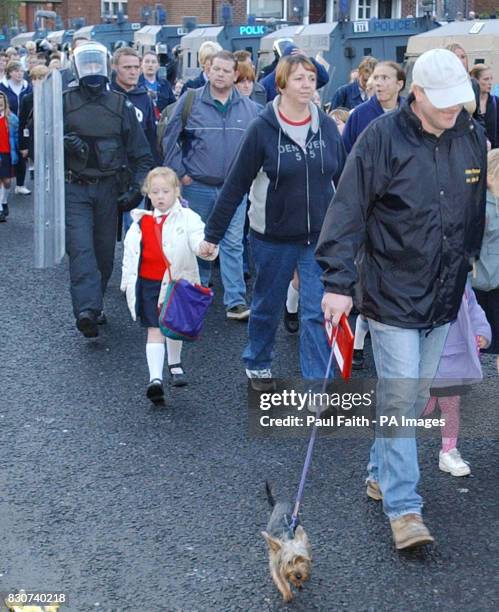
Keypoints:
pixel 308 459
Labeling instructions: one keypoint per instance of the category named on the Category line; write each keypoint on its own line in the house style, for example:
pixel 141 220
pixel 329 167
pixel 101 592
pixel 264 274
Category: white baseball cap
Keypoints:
pixel 443 77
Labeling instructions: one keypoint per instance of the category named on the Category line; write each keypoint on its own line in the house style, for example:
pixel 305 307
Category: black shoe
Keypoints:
pixel 3 218
pixel 101 318
pixel 358 359
pixel 155 391
pixel 5 209
pixel 291 321
pixel 180 379
pixel 87 324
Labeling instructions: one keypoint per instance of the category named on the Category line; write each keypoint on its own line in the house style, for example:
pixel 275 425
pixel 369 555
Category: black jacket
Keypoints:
pixel 416 204
pixel 196 83
pixel 26 133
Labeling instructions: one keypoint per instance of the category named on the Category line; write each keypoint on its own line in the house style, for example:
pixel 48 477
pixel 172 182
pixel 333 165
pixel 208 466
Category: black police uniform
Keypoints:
pixel 113 146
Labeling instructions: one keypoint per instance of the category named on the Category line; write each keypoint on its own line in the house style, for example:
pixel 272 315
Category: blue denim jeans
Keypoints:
pixel 274 267
pixel 201 199
pixel 406 362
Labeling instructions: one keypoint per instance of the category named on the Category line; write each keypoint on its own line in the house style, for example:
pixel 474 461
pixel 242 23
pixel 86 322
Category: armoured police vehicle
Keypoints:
pixel 230 37
pixel 112 35
pixel 480 40
pixel 342 45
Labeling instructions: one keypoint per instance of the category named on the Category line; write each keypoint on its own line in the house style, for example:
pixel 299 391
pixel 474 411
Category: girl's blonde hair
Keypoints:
pixel 6 109
pixel 162 172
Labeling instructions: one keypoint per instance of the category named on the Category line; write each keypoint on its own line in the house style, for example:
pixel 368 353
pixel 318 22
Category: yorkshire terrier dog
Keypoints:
pixel 290 554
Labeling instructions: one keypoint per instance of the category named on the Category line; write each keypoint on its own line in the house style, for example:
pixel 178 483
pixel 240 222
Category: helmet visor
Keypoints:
pixel 90 60
pixel 280 44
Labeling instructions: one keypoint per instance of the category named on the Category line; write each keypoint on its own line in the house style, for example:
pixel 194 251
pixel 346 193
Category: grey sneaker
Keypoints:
pixel 261 380
pixel 241 312
pixel 409 531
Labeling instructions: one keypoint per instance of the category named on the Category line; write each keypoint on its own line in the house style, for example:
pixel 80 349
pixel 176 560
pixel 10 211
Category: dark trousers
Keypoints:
pixel 91 222
pixel 20 171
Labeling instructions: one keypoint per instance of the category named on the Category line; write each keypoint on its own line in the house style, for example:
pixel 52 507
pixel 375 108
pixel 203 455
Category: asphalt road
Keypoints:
pixel 129 507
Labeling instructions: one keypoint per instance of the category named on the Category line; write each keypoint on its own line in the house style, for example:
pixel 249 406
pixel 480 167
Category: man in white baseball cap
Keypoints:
pixel 441 86
pixel 411 198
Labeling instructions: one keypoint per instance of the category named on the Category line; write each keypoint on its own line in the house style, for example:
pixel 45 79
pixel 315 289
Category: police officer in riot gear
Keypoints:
pixel 106 159
pixel 278 48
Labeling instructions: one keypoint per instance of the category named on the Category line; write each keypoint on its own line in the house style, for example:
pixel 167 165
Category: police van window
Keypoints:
pixel 368 51
pixel 400 54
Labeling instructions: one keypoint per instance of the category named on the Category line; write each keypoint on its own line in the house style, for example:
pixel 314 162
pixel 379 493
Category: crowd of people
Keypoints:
pixel 380 202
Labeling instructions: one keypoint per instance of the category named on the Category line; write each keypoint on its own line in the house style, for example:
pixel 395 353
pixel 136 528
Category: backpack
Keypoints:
pixel 167 113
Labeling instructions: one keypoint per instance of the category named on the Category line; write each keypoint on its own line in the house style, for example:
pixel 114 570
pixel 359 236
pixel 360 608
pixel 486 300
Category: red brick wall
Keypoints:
pixel 239 14
pixel 408 8
pixel 177 9
pixel 90 9
pixel 486 7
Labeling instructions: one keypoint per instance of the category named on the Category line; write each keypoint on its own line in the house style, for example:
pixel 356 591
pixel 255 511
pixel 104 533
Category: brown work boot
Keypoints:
pixel 373 491
pixel 409 531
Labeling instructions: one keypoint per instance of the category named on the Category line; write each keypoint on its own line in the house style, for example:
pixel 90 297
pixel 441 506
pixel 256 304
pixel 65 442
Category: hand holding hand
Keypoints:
pixel 334 305
pixel 207 248
pixel 186 180
pixel 481 342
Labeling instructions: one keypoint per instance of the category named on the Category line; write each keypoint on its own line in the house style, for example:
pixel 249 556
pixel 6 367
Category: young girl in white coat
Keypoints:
pixel 160 244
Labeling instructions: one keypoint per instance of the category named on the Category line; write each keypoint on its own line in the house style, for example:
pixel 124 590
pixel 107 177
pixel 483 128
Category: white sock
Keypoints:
pixel 361 329
pixel 174 349
pixel 5 195
pixel 292 298
pixel 155 353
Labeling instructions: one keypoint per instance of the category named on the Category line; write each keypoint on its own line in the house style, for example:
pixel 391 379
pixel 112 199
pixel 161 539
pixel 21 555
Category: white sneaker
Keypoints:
pixel 453 463
pixel 22 190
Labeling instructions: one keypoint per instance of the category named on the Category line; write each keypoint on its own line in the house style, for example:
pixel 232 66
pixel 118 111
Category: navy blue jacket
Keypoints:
pixel 165 92
pixel 196 83
pixel 144 110
pixel 347 96
pixel 269 81
pixel 290 187
pixel 13 100
pixel 359 119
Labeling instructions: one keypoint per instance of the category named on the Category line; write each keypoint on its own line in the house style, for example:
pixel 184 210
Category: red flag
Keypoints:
pixel 342 338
